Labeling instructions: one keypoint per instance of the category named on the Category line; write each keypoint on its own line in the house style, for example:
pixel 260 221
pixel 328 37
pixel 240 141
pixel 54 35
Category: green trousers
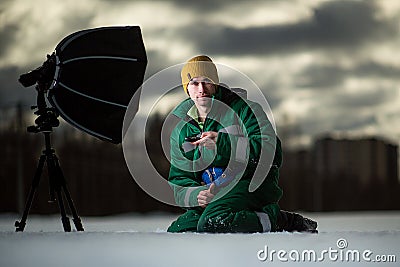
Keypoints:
pixel 234 212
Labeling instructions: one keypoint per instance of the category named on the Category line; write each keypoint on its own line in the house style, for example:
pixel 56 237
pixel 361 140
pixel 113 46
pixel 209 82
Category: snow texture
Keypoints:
pixel 136 240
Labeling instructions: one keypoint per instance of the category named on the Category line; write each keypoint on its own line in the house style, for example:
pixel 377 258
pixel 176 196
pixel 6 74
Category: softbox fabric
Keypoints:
pixel 97 73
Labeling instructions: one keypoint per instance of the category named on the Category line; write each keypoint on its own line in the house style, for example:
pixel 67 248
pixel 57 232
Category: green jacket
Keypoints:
pixel 244 131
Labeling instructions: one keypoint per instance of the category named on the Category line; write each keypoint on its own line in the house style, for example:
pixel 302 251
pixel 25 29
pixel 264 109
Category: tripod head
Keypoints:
pixel 47 117
pixel 42 77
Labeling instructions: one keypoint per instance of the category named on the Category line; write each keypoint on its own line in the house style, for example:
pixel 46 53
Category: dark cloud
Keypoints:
pixel 76 22
pixel 3 5
pixel 377 70
pixel 157 60
pixel 347 111
pixel 321 76
pixel 199 7
pixel 272 93
pixel 344 111
pixel 327 76
pixel 364 98
pixel 335 118
pixel 7 37
pixel 211 5
pixel 335 24
pixel 11 91
pixel 345 123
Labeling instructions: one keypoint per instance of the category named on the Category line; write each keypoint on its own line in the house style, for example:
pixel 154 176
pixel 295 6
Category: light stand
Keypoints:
pixel 57 184
pixel 88 81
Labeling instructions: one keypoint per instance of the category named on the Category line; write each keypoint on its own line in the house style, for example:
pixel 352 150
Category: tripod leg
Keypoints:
pixel 20 225
pixel 77 221
pixel 55 186
pixel 64 219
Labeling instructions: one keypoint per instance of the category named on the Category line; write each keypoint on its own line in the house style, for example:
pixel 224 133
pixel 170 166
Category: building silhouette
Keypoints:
pixel 342 174
pixel 366 160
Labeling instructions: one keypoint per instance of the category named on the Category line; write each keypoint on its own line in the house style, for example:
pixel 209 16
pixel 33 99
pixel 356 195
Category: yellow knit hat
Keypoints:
pixel 196 67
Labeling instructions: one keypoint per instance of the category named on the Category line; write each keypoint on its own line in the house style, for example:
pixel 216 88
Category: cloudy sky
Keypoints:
pixel 324 66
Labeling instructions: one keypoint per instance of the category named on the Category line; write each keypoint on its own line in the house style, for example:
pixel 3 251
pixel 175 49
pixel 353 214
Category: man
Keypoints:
pixel 220 143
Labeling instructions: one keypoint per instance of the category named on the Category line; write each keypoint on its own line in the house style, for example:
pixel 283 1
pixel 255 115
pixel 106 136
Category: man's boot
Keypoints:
pixel 293 222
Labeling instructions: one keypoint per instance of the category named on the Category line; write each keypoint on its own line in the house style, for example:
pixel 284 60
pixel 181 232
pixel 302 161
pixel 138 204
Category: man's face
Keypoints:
pixel 201 89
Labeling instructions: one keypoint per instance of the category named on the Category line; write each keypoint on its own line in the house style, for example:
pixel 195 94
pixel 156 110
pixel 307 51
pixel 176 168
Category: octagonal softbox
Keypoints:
pixel 97 73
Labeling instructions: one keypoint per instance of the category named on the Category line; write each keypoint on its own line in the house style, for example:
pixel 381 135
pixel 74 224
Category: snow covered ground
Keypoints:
pixel 348 239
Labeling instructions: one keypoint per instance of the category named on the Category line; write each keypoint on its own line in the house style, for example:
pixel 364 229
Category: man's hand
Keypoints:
pixel 208 140
pixel 206 196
